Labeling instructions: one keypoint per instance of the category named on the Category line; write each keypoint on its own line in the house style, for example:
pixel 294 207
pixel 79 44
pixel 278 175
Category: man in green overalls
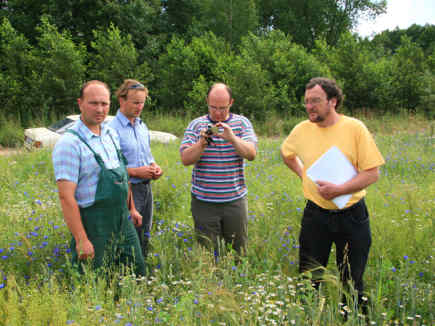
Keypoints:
pixel 93 187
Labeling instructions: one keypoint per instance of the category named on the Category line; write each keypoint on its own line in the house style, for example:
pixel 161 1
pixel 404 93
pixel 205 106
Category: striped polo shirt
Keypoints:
pixel 218 176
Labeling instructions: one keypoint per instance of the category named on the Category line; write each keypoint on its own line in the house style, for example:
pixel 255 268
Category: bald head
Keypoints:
pixel 220 87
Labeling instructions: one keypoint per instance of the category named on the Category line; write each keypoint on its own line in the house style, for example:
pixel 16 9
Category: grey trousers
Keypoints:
pixel 214 221
pixel 143 200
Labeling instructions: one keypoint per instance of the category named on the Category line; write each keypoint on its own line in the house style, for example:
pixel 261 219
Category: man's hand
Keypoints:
pixel 143 172
pixel 328 190
pixel 136 218
pixel 158 172
pixel 227 132
pixel 85 249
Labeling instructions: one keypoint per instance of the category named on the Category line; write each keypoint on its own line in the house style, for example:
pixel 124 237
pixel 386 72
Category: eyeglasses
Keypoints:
pixel 314 100
pixel 221 109
pixel 136 86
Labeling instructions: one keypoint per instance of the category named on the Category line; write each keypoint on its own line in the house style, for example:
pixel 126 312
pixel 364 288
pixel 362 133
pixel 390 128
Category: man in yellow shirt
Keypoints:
pixel 322 222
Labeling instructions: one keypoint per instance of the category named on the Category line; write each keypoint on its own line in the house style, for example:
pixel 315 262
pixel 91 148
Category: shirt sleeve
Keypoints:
pixel 248 132
pixel 191 136
pixel 369 155
pixel 288 148
pixel 66 160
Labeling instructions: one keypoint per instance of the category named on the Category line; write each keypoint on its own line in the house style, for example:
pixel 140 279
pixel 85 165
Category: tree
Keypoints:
pixel 115 58
pixel 408 79
pixel 310 20
pixel 58 71
pixel 15 52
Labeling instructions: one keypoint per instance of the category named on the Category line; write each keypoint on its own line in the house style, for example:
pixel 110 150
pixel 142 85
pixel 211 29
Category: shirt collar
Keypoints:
pixel 225 121
pixel 87 134
pixel 124 121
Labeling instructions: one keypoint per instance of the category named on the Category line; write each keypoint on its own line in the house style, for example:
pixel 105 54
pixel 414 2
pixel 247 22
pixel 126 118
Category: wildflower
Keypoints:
pixel 195 301
pixel 405 257
pixel 98 307
pixel 4 257
pixel 2 285
pixel 393 269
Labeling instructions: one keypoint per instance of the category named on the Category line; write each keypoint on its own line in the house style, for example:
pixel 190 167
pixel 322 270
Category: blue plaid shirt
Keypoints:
pixel 73 160
pixel 134 140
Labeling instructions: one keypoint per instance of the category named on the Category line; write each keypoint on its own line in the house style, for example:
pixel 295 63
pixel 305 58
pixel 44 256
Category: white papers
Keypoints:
pixel 333 166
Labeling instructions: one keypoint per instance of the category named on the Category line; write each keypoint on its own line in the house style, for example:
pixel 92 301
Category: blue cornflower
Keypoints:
pixel 393 269
pixel 149 308
pixel 2 285
pixel 4 257
pixel 405 257
pixel 195 301
pixel 98 307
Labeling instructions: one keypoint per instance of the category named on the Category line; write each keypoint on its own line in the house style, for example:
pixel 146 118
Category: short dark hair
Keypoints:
pixel 227 88
pixel 92 82
pixel 329 86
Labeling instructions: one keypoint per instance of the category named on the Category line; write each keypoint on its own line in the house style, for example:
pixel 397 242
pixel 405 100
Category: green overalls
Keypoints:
pixel 106 222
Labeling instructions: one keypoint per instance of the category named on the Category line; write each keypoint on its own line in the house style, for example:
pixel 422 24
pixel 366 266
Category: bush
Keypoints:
pixel 11 133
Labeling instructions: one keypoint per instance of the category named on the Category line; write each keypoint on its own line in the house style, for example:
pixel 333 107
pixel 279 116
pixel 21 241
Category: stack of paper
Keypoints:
pixel 333 166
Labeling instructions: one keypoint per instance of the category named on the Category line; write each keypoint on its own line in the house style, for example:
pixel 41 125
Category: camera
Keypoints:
pixel 209 132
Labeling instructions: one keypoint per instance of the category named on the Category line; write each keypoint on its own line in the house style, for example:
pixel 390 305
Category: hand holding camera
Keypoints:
pixel 211 130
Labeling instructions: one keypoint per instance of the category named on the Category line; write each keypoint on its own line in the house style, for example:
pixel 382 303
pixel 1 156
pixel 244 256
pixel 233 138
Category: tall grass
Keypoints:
pixel 185 286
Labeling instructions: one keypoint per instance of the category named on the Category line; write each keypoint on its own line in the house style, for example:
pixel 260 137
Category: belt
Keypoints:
pixel 143 181
pixel 311 204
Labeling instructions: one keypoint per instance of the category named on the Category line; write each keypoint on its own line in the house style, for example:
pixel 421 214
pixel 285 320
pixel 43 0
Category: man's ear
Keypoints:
pixel 334 102
pixel 79 102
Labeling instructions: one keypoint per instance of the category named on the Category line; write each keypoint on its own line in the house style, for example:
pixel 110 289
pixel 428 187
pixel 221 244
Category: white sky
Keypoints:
pixel 400 13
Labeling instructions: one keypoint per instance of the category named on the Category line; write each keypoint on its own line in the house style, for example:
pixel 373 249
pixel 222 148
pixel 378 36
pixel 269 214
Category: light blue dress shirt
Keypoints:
pixel 134 140
pixel 73 160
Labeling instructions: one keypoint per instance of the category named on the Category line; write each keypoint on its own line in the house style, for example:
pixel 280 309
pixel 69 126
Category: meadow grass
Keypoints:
pixel 185 286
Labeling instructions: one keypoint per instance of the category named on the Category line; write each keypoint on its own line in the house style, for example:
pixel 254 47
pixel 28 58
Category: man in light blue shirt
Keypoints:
pixel 135 145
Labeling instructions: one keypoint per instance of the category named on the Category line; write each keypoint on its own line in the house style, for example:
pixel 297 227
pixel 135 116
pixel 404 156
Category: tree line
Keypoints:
pixel 265 50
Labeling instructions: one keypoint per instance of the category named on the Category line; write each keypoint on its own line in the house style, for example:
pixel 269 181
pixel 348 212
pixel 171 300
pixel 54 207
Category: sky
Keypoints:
pixel 400 13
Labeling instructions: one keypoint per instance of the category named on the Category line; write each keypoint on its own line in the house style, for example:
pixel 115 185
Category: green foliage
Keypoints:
pixel 409 67
pixel 58 71
pixel 15 67
pixel 427 103
pixel 265 50
pixel 310 20
pixel 116 59
pixel 270 74
pixel 11 133
pixel 183 64
pixel 365 81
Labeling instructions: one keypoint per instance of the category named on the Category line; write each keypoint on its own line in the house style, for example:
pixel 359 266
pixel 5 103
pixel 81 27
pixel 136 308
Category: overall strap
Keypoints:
pixel 121 156
pixel 96 155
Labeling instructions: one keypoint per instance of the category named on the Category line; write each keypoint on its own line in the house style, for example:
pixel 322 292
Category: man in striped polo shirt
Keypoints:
pixel 219 205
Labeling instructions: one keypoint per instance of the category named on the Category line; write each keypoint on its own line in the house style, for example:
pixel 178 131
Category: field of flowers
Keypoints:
pixel 186 287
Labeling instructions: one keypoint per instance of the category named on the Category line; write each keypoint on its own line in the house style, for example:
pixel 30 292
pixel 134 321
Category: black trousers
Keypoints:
pixel 143 201
pixel 349 229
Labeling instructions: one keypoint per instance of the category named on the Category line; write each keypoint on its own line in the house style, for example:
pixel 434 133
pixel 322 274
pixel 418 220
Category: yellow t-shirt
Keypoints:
pixel 308 141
